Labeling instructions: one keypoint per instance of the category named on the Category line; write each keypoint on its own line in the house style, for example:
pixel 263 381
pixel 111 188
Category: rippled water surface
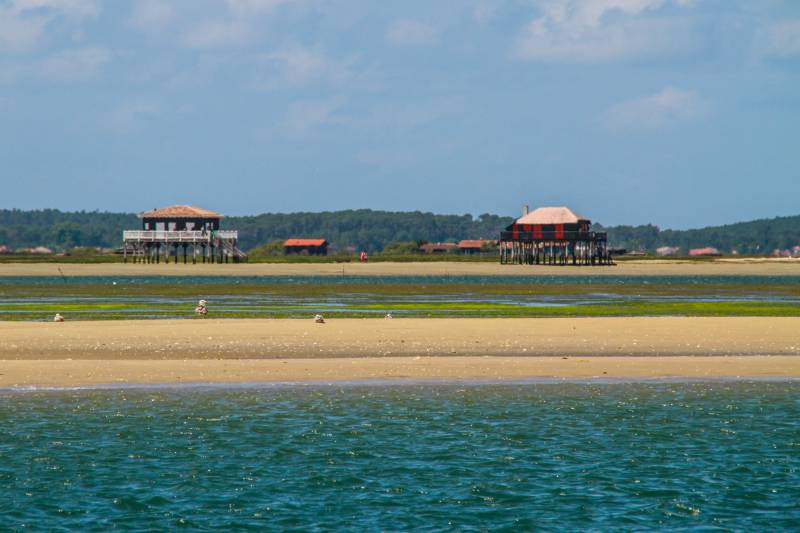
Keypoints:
pixel 404 457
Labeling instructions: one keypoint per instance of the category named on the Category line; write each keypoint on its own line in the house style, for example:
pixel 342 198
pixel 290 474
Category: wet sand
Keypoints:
pixel 172 351
pixel 721 267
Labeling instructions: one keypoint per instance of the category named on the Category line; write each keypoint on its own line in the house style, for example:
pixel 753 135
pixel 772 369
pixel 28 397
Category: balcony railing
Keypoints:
pixel 178 236
pixel 528 236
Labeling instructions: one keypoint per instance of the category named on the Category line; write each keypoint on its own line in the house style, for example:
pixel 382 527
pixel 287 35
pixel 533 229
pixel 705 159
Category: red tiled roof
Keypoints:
pixel 473 243
pixel 304 242
pixel 180 211
pixel 708 250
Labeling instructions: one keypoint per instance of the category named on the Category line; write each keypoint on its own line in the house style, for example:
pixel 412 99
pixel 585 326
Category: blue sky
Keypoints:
pixel 682 113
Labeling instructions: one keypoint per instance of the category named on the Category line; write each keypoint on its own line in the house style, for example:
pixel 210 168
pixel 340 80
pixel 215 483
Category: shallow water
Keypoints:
pixel 587 279
pixel 155 296
pixel 665 456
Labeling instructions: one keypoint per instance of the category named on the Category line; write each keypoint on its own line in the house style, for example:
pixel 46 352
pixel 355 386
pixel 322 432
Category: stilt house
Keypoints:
pixel 168 231
pixel 554 236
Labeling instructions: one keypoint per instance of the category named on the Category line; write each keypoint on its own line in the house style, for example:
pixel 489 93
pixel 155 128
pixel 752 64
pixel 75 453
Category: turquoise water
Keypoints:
pixel 429 457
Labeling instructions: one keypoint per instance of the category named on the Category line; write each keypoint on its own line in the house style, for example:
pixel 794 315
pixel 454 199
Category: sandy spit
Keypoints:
pixel 155 351
pixel 66 373
pixel 722 267
pixel 378 337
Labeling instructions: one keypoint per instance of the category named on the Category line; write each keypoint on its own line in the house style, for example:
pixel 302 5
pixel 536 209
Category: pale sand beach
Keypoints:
pixel 720 267
pixel 172 351
pixel 76 373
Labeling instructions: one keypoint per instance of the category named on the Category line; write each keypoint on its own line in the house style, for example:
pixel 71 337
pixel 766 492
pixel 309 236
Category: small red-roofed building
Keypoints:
pixel 438 247
pixel 305 246
pixel 476 246
pixel 708 251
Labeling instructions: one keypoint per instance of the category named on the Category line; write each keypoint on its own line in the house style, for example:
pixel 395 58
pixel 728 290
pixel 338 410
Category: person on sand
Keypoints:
pixel 58 318
pixel 318 319
pixel 201 309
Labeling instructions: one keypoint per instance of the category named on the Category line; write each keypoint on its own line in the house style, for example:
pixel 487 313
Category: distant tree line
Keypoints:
pixel 756 237
pixel 364 229
pixel 61 230
pixel 361 229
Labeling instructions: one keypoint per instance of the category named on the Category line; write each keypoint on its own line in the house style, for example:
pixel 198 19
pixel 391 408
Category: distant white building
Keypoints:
pixel 667 250
pixel 40 250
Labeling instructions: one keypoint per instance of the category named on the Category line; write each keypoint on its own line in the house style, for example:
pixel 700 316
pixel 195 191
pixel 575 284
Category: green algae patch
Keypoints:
pixel 144 299
pixel 437 309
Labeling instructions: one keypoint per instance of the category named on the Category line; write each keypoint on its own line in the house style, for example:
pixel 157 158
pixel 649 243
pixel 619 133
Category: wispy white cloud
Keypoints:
pixel 397 116
pixel 219 34
pixel 248 7
pixel 75 64
pixel 19 33
pixel 407 32
pixel 388 158
pixel 152 15
pixel 69 8
pixel 240 25
pixel 23 23
pixel 131 115
pixel 68 65
pixel 296 66
pixel 783 38
pixel 304 116
pixel 593 31
pixel 484 10
pixel 667 107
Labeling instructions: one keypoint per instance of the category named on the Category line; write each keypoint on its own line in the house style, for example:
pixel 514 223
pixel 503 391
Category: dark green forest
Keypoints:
pixel 756 237
pixel 373 230
pixel 362 229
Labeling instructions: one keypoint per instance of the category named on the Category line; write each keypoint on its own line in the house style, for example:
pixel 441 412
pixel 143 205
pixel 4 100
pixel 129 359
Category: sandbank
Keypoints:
pixel 721 267
pixel 174 351
pixel 378 337
pixel 77 373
